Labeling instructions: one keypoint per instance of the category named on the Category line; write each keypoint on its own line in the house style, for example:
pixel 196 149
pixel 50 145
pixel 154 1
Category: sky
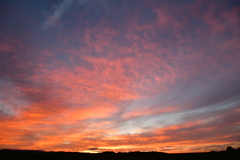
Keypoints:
pixel 120 75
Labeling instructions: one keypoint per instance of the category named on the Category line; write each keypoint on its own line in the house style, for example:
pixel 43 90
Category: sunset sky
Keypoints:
pixel 120 75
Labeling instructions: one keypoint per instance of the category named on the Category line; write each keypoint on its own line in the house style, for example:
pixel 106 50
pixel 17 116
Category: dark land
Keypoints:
pixel 37 155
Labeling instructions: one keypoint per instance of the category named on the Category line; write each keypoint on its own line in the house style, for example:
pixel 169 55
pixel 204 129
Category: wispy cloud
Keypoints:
pixel 57 14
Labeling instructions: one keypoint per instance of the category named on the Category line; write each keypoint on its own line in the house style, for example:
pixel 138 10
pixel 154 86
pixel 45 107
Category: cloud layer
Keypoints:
pixel 118 75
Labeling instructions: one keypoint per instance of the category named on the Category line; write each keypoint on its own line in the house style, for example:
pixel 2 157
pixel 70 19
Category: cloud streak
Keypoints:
pixel 57 14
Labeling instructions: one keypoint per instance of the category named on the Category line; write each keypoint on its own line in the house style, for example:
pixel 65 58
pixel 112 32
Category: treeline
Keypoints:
pixel 230 154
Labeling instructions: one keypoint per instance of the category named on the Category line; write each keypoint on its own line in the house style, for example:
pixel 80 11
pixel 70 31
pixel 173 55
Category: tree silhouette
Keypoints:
pixel 229 148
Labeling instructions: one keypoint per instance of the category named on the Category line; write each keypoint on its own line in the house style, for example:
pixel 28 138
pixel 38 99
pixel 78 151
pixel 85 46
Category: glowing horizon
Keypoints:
pixel 99 75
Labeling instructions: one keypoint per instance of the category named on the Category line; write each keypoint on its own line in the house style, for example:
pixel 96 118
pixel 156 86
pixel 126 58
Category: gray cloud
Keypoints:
pixel 57 14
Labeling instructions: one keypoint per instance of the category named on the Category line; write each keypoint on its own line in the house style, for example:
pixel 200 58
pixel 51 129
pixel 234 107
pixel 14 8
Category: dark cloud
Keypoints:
pixel 93 149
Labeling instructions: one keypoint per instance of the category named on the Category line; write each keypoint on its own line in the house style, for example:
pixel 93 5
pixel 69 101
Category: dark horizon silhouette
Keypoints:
pixel 229 154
